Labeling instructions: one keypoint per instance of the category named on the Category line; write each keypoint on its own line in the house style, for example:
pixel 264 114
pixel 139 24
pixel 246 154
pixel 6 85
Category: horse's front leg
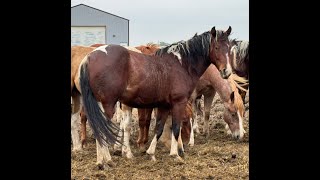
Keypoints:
pixel 162 115
pixel 178 116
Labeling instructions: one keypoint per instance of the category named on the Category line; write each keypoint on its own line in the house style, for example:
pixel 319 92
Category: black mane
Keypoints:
pixel 198 45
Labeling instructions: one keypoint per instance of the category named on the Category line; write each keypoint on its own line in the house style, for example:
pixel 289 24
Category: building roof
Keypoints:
pixel 99 10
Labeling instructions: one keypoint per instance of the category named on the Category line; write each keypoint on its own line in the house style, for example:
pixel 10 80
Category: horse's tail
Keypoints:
pixel 103 128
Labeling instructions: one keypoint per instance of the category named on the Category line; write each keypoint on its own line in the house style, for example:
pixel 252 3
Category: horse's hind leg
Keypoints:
pixel 162 115
pixel 178 116
pixel 75 117
pixel 208 98
pixel 83 127
pixel 126 150
pixel 144 123
pixel 120 117
pixel 103 155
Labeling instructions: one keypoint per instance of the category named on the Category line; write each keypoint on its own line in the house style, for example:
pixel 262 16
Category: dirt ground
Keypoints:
pixel 218 157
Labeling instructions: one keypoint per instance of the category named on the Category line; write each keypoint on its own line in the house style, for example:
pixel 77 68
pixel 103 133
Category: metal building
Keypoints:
pixel 93 26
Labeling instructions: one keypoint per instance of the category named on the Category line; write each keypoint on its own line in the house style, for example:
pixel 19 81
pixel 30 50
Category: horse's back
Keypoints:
pixel 77 55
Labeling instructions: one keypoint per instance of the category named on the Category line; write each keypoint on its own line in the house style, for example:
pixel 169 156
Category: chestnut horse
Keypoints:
pixel 234 110
pixel 112 73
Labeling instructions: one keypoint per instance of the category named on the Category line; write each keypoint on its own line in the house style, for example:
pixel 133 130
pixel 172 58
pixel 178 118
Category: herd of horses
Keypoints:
pixel 168 81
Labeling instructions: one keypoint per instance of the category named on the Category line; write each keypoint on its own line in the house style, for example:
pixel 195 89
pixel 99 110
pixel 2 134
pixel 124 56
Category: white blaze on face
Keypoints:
pixel 229 69
pixel 101 48
pixel 241 130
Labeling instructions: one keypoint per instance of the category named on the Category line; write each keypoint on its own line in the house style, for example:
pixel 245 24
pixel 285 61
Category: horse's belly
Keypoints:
pixel 144 97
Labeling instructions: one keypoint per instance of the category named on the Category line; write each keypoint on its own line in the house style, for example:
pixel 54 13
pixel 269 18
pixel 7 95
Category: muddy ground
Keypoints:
pixel 216 157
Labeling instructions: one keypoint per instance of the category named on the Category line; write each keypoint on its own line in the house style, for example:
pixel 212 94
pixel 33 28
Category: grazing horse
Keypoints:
pixel 239 61
pixel 112 73
pixel 207 86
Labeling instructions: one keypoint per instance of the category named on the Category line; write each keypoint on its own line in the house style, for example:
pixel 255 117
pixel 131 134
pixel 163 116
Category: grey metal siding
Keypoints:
pixel 82 15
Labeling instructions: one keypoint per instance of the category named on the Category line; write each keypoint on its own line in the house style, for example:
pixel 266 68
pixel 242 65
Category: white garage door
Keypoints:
pixel 86 36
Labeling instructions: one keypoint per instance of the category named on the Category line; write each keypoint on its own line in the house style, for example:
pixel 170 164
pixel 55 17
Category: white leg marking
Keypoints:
pixel 75 127
pixel 99 155
pixel 126 150
pixel 153 145
pixel 191 142
pixel 180 143
pixel 119 112
pixel 174 146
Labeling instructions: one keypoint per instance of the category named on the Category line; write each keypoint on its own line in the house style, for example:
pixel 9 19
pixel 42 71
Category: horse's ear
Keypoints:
pixel 213 31
pixel 195 35
pixel 229 30
pixel 232 97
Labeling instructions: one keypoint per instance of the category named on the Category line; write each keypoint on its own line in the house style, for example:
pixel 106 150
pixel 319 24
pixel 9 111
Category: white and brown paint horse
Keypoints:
pixel 239 61
pixel 112 73
pixel 77 55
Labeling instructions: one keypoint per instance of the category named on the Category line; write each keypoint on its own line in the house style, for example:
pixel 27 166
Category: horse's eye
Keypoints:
pixel 217 48
pixel 234 114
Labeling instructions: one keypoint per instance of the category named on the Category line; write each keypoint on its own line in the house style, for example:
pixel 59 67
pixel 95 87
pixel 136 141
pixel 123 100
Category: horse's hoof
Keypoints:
pixel 181 152
pixel 153 158
pixel 100 166
pixel 117 152
pixel 77 149
pixel 129 155
pixel 142 148
pixel 111 163
pixel 84 144
pixel 179 160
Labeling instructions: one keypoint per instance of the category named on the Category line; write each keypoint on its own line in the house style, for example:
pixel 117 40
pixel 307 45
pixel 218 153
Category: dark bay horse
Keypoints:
pixel 112 73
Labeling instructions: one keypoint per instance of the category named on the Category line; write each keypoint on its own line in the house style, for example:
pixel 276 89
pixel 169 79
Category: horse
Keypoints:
pixel 239 61
pixel 234 110
pixel 77 54
pixel 208 84
pixel 112 73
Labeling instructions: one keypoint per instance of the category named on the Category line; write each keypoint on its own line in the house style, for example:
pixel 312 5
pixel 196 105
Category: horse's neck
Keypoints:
pixel 198 68
pixel 220 85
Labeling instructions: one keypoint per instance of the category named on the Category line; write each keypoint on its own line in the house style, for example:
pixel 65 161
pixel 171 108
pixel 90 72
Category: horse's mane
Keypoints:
pixel 198 45
pixel 237 97
pixel 239 81
pixel 241 50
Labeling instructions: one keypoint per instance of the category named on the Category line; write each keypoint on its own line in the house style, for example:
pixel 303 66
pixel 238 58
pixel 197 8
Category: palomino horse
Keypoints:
pixel 207 86
pixel 112 73
pixel 239 61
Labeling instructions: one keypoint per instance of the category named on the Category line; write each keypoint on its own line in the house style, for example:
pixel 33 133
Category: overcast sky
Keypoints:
pixel 174 20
